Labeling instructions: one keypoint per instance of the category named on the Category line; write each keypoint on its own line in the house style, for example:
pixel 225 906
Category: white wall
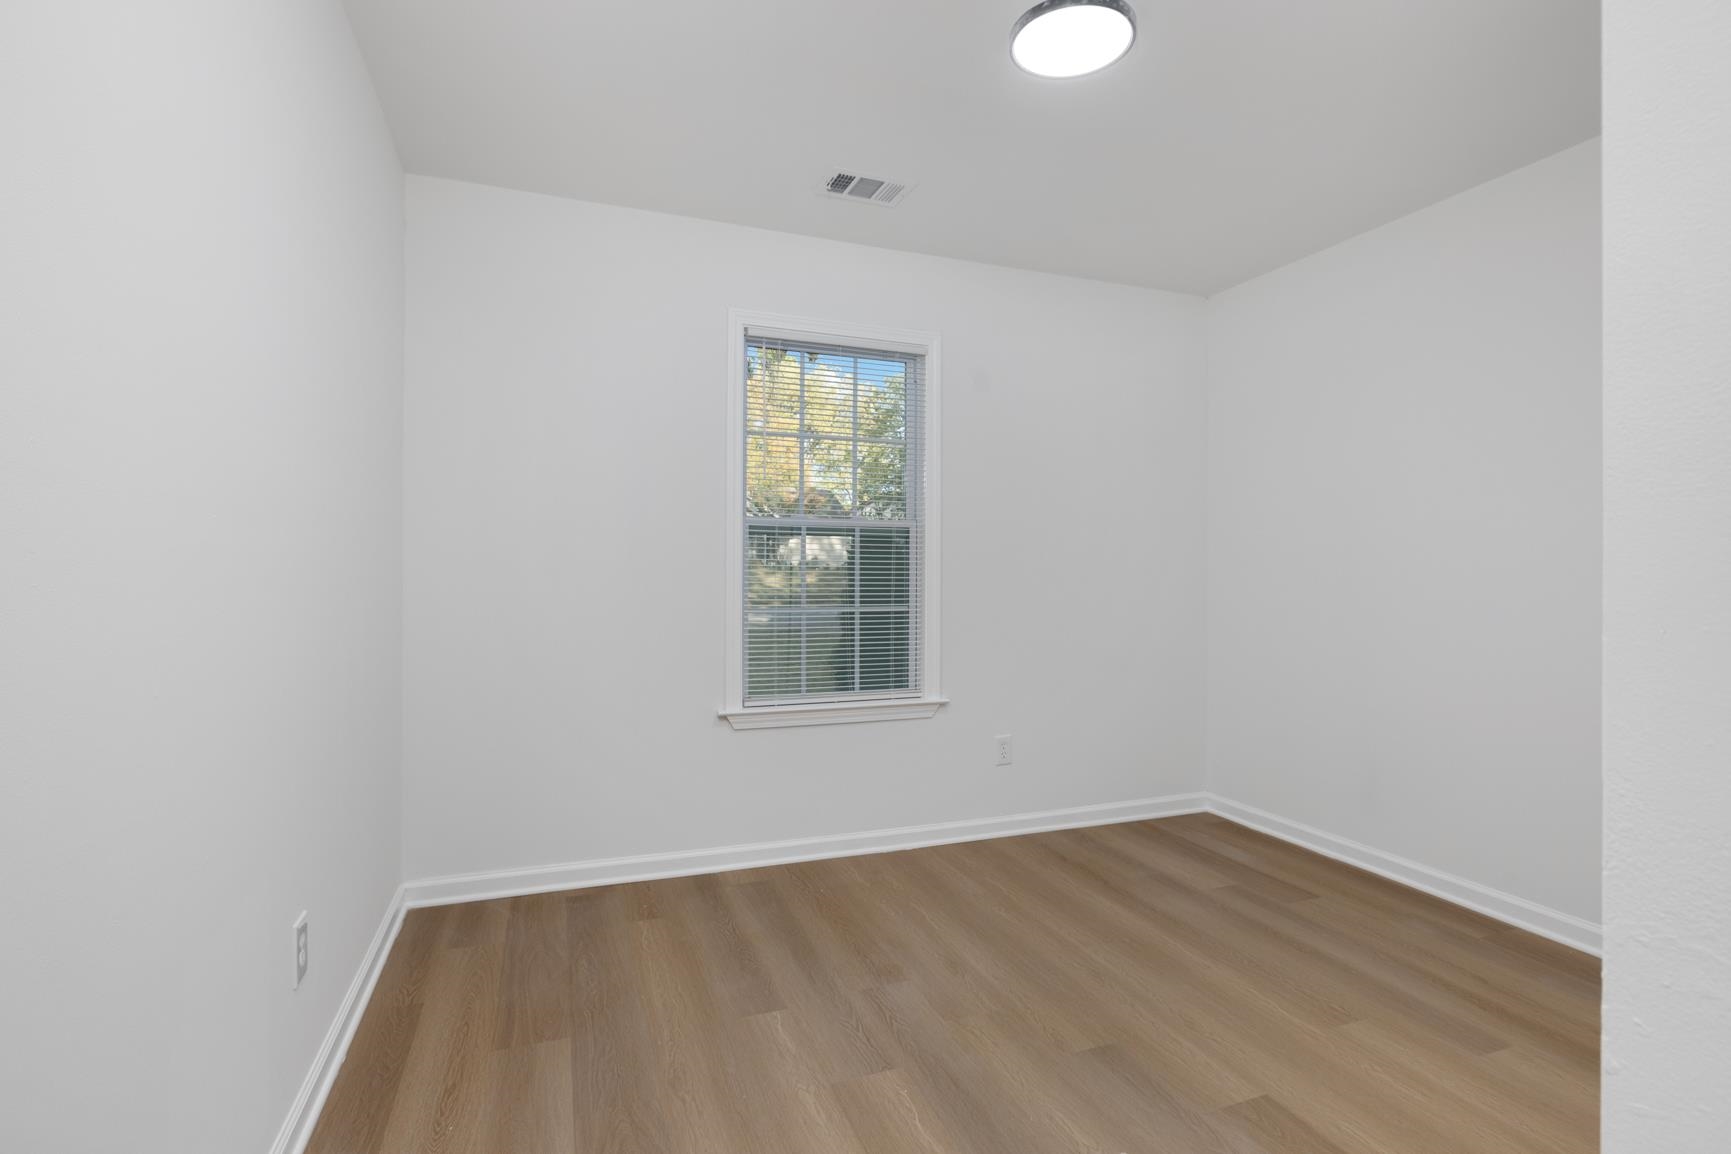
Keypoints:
pixel 200 403
pixel 1404 506
pixel 565 434
pixel 1667 577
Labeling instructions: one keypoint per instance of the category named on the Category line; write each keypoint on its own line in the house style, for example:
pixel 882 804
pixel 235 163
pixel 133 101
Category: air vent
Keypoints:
pixel 864 189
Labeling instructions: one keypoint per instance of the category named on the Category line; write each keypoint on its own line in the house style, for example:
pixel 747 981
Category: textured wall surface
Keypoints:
pixel 1667 577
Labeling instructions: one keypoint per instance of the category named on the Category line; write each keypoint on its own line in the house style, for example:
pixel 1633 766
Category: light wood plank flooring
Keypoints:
pixel 1183 986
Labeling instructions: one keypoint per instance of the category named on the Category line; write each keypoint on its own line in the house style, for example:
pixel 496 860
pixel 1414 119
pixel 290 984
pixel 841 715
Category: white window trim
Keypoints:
pixel 734 709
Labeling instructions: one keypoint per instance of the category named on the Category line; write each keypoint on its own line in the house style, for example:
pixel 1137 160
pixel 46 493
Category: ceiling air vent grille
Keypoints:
pixel 864 189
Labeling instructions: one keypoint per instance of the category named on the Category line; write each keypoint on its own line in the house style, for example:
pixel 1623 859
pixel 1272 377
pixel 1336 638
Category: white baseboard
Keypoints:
pixel 611 871
pixel 1516 911
pixel 297 1128
pixel 1548 923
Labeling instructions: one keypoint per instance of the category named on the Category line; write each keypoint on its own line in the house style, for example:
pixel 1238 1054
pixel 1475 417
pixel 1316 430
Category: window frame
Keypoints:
pixel 740 323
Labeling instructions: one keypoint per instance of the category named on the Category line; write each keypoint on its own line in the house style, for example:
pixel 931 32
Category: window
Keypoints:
pixel 832 513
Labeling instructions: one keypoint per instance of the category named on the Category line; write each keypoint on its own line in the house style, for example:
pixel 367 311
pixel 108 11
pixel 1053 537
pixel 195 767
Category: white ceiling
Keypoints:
pixel 1237 135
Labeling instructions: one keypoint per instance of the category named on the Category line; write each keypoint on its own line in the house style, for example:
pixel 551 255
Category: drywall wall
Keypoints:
pixel 1667 576
pixel 1404 506
pixel 564 615
pixel 200 408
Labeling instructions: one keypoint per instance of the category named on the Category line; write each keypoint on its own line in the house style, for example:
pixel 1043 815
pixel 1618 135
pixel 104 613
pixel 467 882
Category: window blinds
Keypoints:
pixel 833 529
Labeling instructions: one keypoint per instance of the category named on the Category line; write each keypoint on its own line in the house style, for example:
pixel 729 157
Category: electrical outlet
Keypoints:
pixel 300 949
pixel 1003 740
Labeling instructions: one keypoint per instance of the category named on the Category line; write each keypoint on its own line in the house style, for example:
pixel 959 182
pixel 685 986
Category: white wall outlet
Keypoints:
pixel 1003 740
pixel 300 949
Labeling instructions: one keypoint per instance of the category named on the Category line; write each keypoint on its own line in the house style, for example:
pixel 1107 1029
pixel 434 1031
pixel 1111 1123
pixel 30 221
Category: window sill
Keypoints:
pixel 832 713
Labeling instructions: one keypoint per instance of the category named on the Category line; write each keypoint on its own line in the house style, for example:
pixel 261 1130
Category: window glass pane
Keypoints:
pixel 884 566
pixel 829 566
pixel 829 652
pixel 884 650
pixel 883 399
pixel 883 490
pixel 771 476
pixel 771 390
pixel 772 648
pixel 828 478
pixel 771 566
pixel 829 396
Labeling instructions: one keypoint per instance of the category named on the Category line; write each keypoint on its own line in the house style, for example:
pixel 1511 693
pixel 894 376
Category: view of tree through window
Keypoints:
pixel 831 521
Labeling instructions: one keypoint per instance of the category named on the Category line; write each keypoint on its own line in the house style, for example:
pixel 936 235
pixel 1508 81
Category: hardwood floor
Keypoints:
pixel 1183 985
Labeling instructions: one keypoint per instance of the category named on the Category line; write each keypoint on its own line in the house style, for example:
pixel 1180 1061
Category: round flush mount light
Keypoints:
pixel 1065 38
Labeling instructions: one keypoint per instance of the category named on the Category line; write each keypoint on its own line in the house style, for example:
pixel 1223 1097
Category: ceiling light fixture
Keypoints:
pixel 1065 38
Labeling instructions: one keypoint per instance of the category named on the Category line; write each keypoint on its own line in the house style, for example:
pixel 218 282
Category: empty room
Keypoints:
pixel 925 577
